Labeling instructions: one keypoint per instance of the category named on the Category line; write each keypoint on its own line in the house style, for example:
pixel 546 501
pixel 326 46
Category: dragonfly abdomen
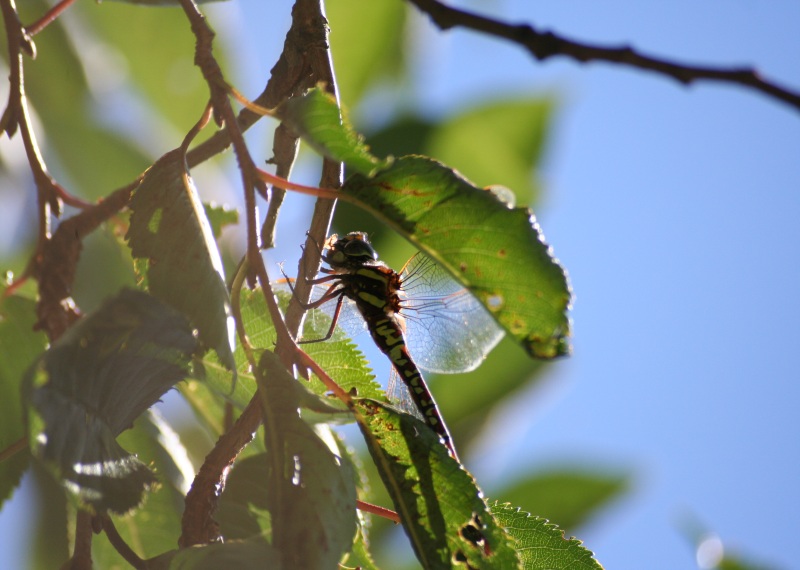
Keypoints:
pixel 388 335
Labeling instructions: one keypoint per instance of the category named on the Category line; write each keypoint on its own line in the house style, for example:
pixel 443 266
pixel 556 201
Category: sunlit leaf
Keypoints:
pixel 439 503
pixel 359 556
pixel 17 338
pixel 170 230
pixel 94 382
pixel 339 358
pixel 542 545
pixel 498 252
pixel 315 117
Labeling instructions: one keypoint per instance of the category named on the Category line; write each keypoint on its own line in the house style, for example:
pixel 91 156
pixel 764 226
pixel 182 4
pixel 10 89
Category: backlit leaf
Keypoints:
pixel 169 229
pixel 93 383
pixel 497 251
pixel 542 545
pixel 316 117
pixel 439 503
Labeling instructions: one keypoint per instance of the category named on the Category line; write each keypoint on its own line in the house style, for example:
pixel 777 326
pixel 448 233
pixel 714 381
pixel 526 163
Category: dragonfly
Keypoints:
pixel 420 318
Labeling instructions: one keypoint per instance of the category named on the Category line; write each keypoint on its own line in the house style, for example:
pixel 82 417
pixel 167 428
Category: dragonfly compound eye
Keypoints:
pixel 356 246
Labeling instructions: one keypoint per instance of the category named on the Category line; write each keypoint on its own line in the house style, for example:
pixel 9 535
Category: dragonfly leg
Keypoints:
pixel 327 297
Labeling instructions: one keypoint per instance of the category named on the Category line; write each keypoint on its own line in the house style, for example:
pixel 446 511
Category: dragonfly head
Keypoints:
pixel 350 251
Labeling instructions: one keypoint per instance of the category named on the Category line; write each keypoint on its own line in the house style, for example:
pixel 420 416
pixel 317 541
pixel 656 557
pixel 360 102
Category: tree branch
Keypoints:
pixel 543 45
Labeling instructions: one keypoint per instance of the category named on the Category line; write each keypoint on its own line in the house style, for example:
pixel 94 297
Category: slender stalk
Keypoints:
pixel 543 45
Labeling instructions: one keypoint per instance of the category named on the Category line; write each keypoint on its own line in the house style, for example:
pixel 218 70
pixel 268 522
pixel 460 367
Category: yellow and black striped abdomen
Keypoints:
pixel 388 335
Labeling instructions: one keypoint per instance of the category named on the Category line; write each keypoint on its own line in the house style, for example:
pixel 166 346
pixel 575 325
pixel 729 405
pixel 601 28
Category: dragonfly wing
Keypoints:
pixel 398 394
pixel 448 329
pixel 318 321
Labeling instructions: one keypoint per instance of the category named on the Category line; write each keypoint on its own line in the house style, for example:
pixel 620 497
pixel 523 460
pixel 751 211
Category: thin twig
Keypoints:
pixel 82 555
pixel 223 112
pixel 543 45
pixel 120 545
pixel 49 17
pixel 14 448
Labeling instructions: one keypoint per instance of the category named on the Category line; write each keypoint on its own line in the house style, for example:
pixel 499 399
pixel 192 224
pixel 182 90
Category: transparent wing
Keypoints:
pixel 350 322
pixel 398 394
pixel 447 329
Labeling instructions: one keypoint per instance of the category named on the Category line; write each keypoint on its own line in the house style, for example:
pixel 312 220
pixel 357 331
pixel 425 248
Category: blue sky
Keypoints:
pixel 675 212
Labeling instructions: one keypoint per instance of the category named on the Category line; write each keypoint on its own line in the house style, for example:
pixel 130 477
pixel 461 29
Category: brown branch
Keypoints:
pixel 543 45
pixel 294 72
pixel 82 555
pixel 197 524
pixel 49 17
pixel 58 258
pixel 223 113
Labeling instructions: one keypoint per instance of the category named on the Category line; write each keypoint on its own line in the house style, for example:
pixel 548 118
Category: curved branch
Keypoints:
pixel 543 45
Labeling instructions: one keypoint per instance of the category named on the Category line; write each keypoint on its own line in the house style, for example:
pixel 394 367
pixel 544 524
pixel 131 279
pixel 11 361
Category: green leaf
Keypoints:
pixel 93 383
pixel 542 545
pixel 566 497
pixel 20 346
pixel 315 116
pixel 254 554
pixel 311 493
pixel 499 142
pixel 97 159
pixel 367 42
pixel 156 526
pixel 359 556
pixel 153 54
pixel 169 228
pixel 498 252
pixel 243 511
pixel 439 503
pixel 339 357
pixel 494 249
pixel 219 217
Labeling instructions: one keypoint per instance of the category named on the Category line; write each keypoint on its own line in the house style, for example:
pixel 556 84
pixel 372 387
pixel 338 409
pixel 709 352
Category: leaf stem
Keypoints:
pixel 49 17
pixel 14 448
pixel 120 545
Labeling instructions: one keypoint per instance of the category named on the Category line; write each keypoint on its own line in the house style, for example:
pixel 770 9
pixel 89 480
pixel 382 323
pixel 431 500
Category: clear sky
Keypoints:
pixel 675 211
